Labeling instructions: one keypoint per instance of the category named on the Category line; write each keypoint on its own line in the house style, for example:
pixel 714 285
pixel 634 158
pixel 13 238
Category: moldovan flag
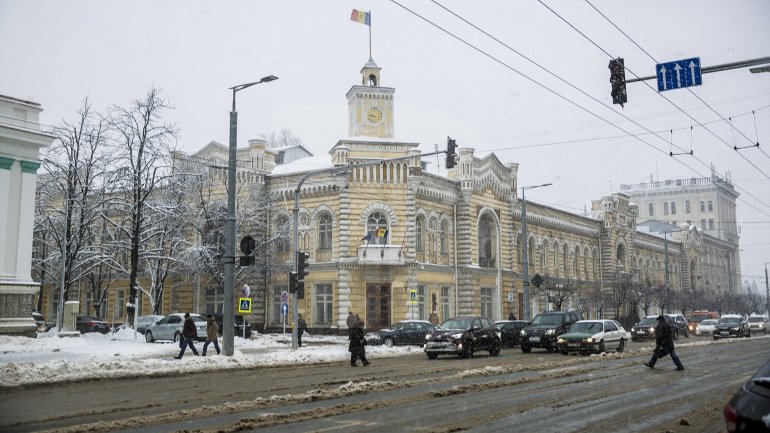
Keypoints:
pixel 362 17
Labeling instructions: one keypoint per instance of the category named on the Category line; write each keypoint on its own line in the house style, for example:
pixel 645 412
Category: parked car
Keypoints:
pixel 170 328
pixel 510 331
pixel 86 324
pixel 545 328
pixel 731 325
pixel 593 336
pixel 237 325
pixel 747 408
pixel 405 332
pixel 706 327
pixel 759 324
pixel 645 329
pixel 681 324
pixel 463 336
pixel 144 322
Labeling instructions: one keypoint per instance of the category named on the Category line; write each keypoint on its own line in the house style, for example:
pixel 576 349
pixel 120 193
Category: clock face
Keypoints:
pixel 374 115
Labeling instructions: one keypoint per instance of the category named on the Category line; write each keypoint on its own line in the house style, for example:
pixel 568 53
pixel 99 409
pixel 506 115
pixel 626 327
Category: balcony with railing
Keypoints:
pixel 380 255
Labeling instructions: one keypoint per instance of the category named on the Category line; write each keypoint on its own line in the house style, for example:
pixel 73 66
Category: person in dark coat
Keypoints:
pixel 664 344
pixel 511 316
pixel 357 344
pixel 189 335
pixel 301 328
pixel 212 333
pixel 351 320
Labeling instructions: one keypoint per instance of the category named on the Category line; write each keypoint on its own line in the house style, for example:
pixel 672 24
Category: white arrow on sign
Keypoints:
pixel 663 73
pixel 678 68
pixel 692 71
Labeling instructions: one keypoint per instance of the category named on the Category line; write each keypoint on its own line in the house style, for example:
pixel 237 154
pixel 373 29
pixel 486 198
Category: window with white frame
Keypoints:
pixel 420 234
pixel 276 317
pixel 325 232
pixel 120 303
pixel 486 301
pixel 421 295
pixel 323 304
pixel 377 225
pixel 214 299
pixel 446 303
pixel 442 238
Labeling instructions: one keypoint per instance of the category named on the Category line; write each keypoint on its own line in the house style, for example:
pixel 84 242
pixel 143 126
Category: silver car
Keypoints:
pixel 758 324
pixel 144 322
pixel 170 328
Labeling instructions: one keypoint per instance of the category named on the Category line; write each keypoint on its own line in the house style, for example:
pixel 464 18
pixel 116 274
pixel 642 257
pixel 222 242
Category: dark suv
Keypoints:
pixel 545 328
pixel 237 325
pixel 645 328
pixel 463 336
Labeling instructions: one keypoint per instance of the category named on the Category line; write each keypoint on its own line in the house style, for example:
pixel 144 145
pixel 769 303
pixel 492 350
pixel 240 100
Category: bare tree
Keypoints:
pixel 625 288
pixel 282 138
pixel 69 202
pixel 559 290
pixel 144 143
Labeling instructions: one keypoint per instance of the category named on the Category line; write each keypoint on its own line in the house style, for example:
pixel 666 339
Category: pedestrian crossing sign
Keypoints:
pixel 244 305
pixel 412 296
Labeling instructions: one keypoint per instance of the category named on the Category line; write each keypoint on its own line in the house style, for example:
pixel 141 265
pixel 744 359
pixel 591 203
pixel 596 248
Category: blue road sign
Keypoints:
pixel 285 309
pixel 678 74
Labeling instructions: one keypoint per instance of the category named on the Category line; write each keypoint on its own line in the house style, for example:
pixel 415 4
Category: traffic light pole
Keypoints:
pixel 295 213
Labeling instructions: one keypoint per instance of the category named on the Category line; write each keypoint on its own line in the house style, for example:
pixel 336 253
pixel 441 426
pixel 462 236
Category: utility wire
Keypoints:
pixel 661 95
pixel 558 94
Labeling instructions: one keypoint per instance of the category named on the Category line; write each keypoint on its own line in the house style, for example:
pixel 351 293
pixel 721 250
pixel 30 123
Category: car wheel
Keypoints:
pixel 565 352
pixel 468 352
pixel 748 334
pixel 432 355
pixel 148 337
pixel 621 346
pixel 177 337
pixel 686 334
pixel 388 342
pixel 716 338
pixel 495 350
pixel 601 347
pixel 525 348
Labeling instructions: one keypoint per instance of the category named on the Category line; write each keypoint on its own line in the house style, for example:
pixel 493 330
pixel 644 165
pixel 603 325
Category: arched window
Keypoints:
pixel 325 232
pixel 555 258
pixel 432 229
pixel 673 208
pixel 282 230
pixel 377 228
pixel 487 242
pixel 576 263
pixel 442 238
pixel 420 234
pixel 544 257
pixel 565 260
pixel 665 208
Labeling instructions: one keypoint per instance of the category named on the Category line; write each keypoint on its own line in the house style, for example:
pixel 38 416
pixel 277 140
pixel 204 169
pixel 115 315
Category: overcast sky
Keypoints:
pixel 454 82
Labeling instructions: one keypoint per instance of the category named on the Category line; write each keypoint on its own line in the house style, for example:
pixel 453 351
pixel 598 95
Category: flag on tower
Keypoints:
pixel 361 17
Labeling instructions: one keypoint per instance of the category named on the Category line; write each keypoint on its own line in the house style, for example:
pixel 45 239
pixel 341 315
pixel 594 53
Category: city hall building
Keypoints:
pixel 393 241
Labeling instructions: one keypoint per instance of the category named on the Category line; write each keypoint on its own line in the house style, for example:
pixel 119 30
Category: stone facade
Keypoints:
pixel 20 142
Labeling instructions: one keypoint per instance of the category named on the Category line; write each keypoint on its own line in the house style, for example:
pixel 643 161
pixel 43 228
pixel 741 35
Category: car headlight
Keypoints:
pixel 561 340
pixel 550 332
pixel 589 340
pixel 652 329
pixel 427 336
pixel 523 333
pixel 735 328
pixel 691 327
pixel 498 334
pixel 457 336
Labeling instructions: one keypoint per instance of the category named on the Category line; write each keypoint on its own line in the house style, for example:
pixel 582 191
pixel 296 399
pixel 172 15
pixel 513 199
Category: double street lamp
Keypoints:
pixel 525 248
pixel 228 314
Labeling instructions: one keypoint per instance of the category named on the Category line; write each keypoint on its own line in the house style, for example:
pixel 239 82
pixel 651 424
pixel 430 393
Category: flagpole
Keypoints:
pixel 370 35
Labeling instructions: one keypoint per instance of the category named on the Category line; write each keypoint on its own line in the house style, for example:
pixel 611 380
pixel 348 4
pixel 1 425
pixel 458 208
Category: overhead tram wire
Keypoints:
pixel 661 95
pixel 562 96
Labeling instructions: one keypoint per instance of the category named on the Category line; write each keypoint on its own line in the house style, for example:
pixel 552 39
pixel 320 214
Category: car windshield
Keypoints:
pixel 730 320
pixel 698 317
pixel 648 321
pixel 708 322
pixel 756 319
pixel 548 319
pixel 591 327
pixel 456 324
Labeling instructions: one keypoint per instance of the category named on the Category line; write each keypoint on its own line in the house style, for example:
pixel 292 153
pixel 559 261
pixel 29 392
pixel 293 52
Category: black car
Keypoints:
pixel 546 328
pixel 86 324
pixel 406 332
pixel 744 412
pixel 678 321
pixel 463 336
pixel 510 331
pixel 237 325
pixel 731 326
pixel 645 329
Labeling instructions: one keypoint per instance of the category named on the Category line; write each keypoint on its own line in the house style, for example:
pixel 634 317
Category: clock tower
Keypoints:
pixel 370 106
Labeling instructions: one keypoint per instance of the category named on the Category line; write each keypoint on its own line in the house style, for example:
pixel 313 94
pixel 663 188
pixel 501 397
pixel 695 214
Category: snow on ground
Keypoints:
pixel 52 359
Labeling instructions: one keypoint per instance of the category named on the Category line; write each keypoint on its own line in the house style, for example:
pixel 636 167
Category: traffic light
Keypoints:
pixel 292 282
pixel 618 81
pixel 300 290
pixel 302 265
pixel 451 152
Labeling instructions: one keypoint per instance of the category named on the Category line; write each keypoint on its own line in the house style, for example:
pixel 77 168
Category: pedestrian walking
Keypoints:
pixel 664 344
pixel 434 319
pixel 351 320
pixel 511 316
pixel 212 334
pixel 189 335
pixel 301 328
pixel 357 344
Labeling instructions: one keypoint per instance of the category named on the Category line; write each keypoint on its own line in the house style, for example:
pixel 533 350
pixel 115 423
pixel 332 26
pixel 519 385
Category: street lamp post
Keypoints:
pixel 525 247
pixel 767 290
pixel 227 307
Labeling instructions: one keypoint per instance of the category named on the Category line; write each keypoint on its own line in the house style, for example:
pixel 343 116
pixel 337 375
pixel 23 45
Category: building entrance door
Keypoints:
pixel 377 306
